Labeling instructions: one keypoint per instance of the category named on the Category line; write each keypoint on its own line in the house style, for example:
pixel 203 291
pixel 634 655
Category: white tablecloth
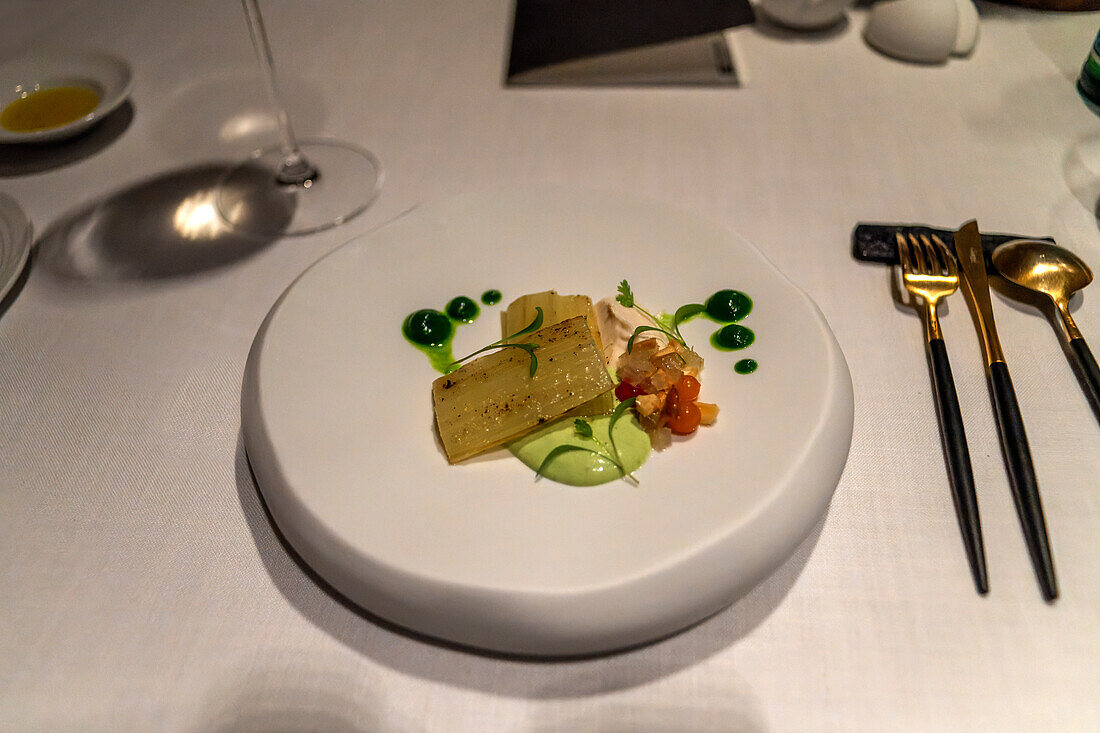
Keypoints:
pixel 142 585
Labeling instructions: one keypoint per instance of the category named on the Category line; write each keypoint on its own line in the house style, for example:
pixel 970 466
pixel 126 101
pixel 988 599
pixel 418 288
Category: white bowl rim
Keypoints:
pixel 109 72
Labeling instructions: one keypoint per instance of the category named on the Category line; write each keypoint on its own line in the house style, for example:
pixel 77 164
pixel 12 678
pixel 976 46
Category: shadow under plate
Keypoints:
pixel 528 677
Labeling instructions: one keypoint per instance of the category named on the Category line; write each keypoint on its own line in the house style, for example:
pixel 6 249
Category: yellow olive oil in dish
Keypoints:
pixel 46 109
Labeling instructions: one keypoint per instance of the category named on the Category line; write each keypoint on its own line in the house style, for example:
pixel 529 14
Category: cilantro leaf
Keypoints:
pixel 625 297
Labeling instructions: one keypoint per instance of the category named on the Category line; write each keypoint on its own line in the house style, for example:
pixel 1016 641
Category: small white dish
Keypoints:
pixel 16 235
pixel 108 76
pixel 337 424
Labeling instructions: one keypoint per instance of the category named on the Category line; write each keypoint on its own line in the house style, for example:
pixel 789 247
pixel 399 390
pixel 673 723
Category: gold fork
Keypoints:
pixel 930 273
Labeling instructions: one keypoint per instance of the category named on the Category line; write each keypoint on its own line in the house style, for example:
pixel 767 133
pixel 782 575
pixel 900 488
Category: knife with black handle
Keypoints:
pixel 1010 424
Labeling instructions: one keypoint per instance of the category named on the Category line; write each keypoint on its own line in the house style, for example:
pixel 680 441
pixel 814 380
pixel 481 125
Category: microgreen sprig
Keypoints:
pixel 534 325
pixel 684 312
pixel 583 429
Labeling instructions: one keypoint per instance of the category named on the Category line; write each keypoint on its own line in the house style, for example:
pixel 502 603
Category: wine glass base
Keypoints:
pixel 251 199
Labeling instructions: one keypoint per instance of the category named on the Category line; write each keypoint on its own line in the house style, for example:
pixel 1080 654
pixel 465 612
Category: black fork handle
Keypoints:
pixel 957 456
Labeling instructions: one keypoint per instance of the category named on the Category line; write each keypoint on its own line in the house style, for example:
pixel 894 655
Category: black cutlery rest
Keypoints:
pixel 878 242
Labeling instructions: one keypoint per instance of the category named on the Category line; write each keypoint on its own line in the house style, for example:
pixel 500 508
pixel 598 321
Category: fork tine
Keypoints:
pixel 918 255
pixel 948 258
pixel 903 253
pixel 934 258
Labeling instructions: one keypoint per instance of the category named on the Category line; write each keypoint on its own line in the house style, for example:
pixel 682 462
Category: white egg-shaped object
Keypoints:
pixel 966 37
pixel 924 31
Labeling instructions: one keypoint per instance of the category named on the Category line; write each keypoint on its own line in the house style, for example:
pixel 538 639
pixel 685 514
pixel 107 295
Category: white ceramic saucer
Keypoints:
pixel 106 75
pixel 16 235
pixel 337 423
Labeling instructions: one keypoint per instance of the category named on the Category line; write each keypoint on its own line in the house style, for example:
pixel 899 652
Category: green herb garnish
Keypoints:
pixel 684 312
pixel 534 325
pixel 583 429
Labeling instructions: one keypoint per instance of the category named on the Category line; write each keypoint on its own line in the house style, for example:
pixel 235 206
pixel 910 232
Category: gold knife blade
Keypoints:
pixel 1010 423
pixel 975 287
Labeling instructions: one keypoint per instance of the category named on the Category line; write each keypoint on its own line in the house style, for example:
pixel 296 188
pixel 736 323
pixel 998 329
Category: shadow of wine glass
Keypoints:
pixel 228 113
pixel 28 159
pixel 163 227
pixel 414 654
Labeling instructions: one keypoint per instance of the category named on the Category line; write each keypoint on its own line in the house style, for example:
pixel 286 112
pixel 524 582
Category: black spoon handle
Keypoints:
pixel 1021 476
pixel 1090 373
pixel 957 456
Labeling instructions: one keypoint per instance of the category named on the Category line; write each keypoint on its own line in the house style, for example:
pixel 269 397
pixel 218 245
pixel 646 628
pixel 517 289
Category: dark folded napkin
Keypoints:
pixel 548 32
pixel 878 242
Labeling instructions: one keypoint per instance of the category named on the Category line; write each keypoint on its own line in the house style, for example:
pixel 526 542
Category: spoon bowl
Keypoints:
pixel 1042 267
pixel 1046 268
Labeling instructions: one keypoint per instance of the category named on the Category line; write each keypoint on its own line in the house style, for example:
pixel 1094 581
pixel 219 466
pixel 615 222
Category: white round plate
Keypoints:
pixel 106 75
pixel 338 426
pixel 16 235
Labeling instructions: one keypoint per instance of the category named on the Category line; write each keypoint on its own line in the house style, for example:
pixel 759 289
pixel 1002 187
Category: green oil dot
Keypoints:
pixel 463 309
pixel 745 366
pixel 732 338
pixel 728 306
pixel 427 327
pixel 491 297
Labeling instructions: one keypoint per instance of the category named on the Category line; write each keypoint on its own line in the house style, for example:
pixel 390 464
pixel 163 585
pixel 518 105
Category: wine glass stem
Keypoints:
pixel 295 169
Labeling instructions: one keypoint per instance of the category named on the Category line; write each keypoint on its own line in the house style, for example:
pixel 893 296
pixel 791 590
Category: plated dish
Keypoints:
pixel 16 235
pixel 338 426
pixel 75 91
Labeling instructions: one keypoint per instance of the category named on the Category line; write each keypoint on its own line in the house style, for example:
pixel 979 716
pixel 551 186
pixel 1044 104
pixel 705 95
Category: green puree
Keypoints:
pixel 728 306
pixel 433 331
pixel 462 309
pixel 580 468
pixel 745 366
pixel 732 338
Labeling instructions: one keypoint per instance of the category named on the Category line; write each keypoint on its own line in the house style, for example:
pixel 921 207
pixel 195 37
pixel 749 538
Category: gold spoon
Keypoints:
pixel 1046 268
